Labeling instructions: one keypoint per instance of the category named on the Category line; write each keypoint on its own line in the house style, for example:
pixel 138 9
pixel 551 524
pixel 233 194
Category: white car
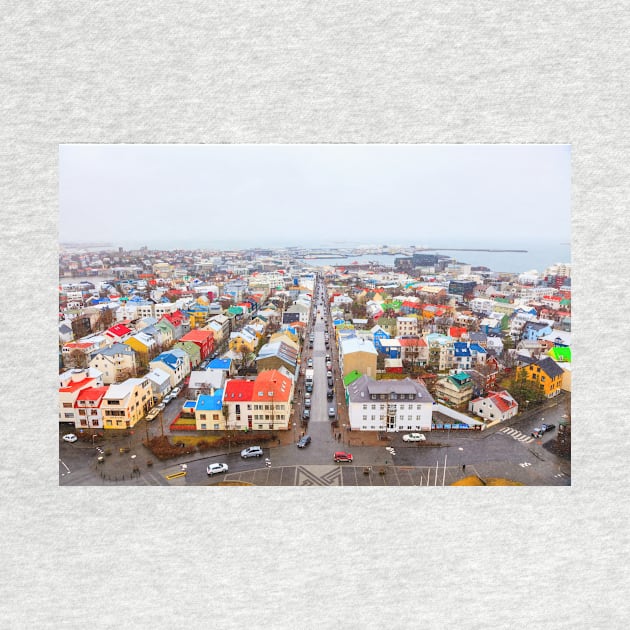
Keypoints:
pixel 414 437
pixel 152 415
pixel 70 437
pixel 213 469
pixel 251 451
pixel 175 391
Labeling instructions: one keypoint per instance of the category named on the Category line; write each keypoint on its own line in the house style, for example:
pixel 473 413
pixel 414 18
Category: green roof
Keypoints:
pixel 560 354
pixel 350 378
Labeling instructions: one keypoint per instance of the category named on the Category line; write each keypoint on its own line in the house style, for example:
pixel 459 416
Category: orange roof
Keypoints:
pixel 272 386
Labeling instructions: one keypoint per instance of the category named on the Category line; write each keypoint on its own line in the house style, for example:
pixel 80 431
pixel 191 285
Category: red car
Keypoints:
pixel 342 456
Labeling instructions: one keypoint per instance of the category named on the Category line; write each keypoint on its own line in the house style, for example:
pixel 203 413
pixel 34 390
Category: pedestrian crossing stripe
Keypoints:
pixel 517 435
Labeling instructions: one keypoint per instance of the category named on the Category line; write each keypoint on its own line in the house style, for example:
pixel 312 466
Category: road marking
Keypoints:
pixel 524 464
pixel 64 465
pixel 177 474
pixel 517 435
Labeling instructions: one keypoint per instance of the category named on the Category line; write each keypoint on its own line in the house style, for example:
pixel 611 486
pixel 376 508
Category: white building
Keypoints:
pixel 389 405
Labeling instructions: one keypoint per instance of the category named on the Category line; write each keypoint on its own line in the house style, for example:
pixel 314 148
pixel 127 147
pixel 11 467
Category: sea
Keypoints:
pixel 537 256
pixel 511 262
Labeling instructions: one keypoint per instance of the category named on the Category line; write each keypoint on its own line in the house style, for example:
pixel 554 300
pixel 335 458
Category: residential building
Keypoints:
pixel 407 326
pixel 455 389
pixel 209 411
pixel 495 407
pixel 441 351
pixel 389 405
pixel 126 403
pixel 545 373
pixel 262 404
pixel 71 383
pixel 414 350
pixel 87 406
pixel 357 354
pixel 277 354
pixel 175 362
pixel 203 338
pixel 117 362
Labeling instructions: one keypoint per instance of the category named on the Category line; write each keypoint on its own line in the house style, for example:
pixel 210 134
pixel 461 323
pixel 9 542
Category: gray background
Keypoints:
pixel 284 72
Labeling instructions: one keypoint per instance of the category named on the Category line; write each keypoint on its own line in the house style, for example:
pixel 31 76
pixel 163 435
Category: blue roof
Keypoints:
pixel 207 402
pixel 169 358
pixel 477 348
pixel 220 364
pixel 461 349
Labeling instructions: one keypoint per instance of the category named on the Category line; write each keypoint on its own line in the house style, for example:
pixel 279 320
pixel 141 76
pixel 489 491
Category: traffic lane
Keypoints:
pixel 196 470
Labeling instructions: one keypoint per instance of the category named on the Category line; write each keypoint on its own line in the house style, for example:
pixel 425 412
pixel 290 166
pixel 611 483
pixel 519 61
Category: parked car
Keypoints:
pixel 152 415
pixel 309 387
pixel 175 392
pixel 330 394
pixel 160 407
pixel 548 427
pixel 215 468
pixel 331 412
pixel 70 437
pixel 307 403
pixel 537 432
pixel 251 451
pixel 414 437
pixel 306 414
pixel 330 381
pixel 168 398
pixel 305 440
pixel 310 362
pixel 342 456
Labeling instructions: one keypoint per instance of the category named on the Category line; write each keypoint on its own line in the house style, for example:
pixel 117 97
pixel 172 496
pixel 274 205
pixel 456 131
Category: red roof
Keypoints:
pixel 237 390
pixel 198 335
pixel 120 330
pixel 73 386
pixel 175 318
pixel 502 402
pixel 411 342
pixel 455 331
pixel 92 393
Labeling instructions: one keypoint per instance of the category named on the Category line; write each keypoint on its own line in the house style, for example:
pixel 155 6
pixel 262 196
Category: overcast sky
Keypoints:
pixel 171 196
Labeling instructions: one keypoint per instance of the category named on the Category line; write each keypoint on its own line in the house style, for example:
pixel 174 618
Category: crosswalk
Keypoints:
pixel 517 435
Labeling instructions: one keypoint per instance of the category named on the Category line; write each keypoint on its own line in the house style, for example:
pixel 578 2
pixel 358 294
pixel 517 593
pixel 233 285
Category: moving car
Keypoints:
pixel 414 437
pixel 251 451
pixel 305 440
pixel 70 437
pixel 215 468
pixel 342 456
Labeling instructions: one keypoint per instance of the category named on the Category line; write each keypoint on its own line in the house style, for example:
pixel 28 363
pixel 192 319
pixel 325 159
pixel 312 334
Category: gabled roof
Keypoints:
pixel 462 349
pixel 237 390
pixel 412 342
pixel 271 386
pixel 550 367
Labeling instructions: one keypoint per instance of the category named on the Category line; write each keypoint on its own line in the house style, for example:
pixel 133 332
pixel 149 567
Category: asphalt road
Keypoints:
pixel 505 451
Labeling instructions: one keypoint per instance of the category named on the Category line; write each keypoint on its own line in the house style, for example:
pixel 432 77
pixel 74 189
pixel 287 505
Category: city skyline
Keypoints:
pixel 278 195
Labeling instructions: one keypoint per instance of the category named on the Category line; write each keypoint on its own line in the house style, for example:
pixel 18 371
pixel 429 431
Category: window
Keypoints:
pixel 364 418
pixel 68 415
pixel 202 416
pixel 203 426
pixel 216 427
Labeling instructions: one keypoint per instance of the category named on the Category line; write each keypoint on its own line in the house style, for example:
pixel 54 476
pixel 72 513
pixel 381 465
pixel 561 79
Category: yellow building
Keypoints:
pixel 545 373
pixel 358 354
pixel 126 403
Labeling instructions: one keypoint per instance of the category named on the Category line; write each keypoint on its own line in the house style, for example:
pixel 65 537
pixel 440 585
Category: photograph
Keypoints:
pixel 314 315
